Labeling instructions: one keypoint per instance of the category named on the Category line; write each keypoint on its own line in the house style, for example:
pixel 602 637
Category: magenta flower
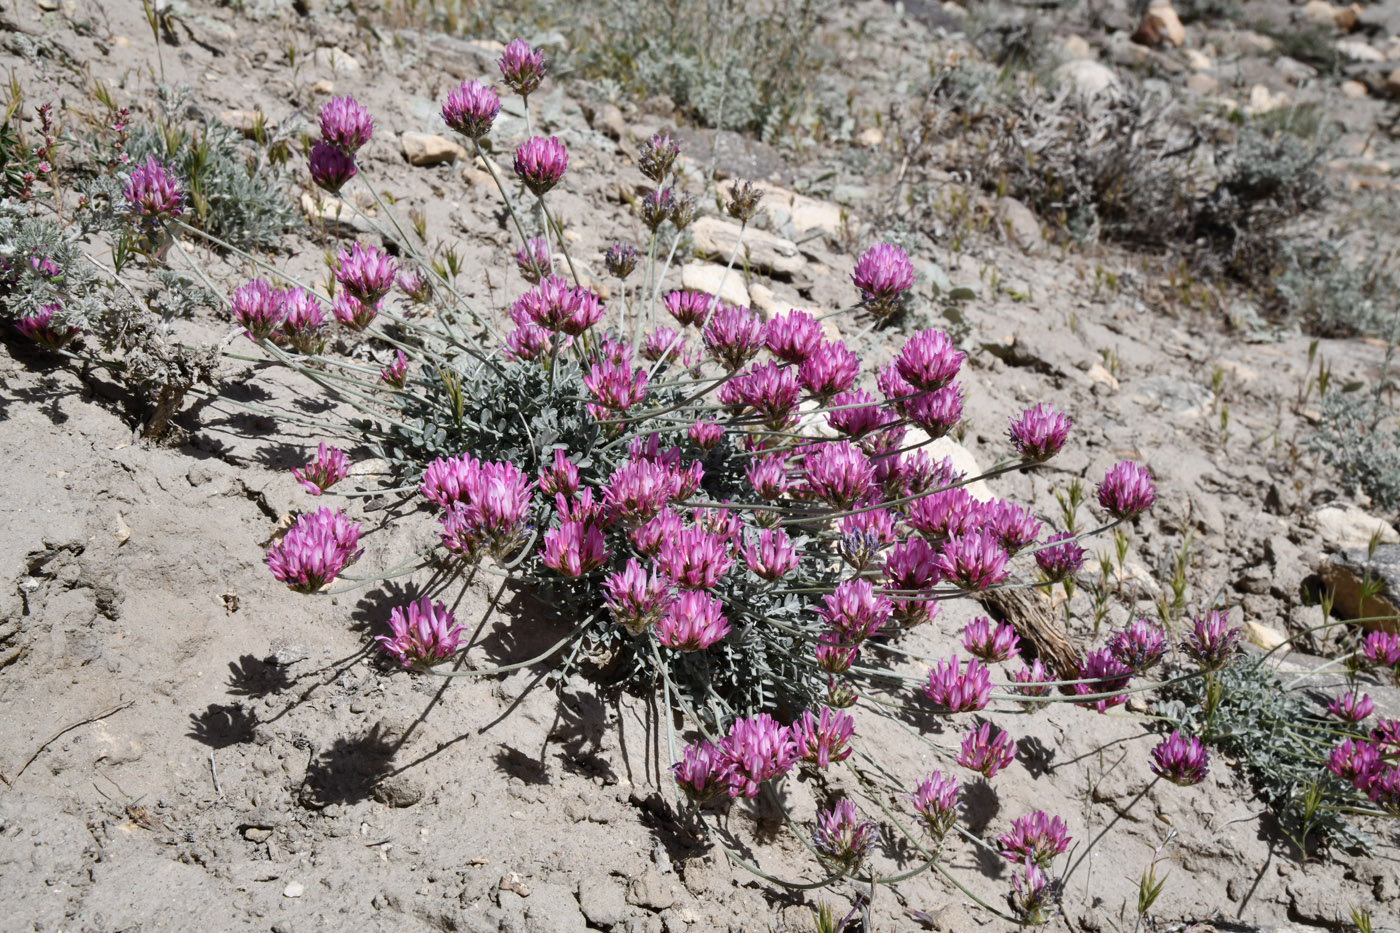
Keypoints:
pixel 1101 672
pixel 793 336
pixel 614 388
pixel 830 369
pixel 647 536
pixel 1349 707
pixel 769 390
pixel 1061 557
pixel 956 690
pixel 153 193
pixel 330 167
pixel 1126 490
pixel 425 633
pixel 864 535
pixel 1031 681
pixel 620 260
pixel 414 284
pixel 258 307
pixel 1181 759
pixel 694 559
pixel 662 342
pixel 768 475
pixel 937 412
pixel 533 261
pixel 497 501
pixel 366 272
pixel 657 206
pixel 561 476
pixel 688 307
pixel 345 124
pixel 522 67
pixel 352 312
pixel 974 561
pixel 945 514
pixel 883 274
pixel 733 336
pixel 303 321
pixel 1355 761
pixel 757 749
pixel 825 738
pixel 1383 789
pixel 471 108
pixel 314 551
pixel 772 556
pixel 1139 646
pixel 449 479
pixel 658 155
pixel 1039 433
pixel 839 473
pixel 1387 734
pixel 909 565
pixel 573 548
pixel 1382 649
pixel 1033 896
pixel 842 836
pixel 329 468
pixel 43 329
pixel 581 508
pixel 1213 641
pixel 705 434
pixel 854 611
pixel 540 163
pixel 986 753
pixel 396 373
pixel 700 772
pixel 935 799
pixel 855 413
pixel 991 643
pixel 635 598
pixel 929 360
pixel 1036 838
pixel 638 490
pixel 1014 527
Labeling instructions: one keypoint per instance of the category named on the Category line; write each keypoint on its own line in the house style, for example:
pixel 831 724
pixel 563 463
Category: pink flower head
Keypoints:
pixel 303 321
pixel 768 475
pixel 1355 761
pixel 854 611
pixel 1387 734
pixel 366 272
pixel 522 67
pixel 471 108
pixel 1181 759
pixel 527 342
pixel 772 556
pixel 688 307
pixel 614 388
pixel 1014 527
pixel 43 329
pixel 396 373
pixel 497 500
pixel 1126 490
pixel 1349 707
pixel 620 259
pixel 855 413
pixel 1039 433
pixel 757 749
pixel 658 205
pixel 769 390
pixel 635 598
pixel 1101 672
pixel 839 693
pixel 694 559
pixel 533 260
pixel 793 336
pixel 1213 641
pixel 883 274
pixel 1033 896
pixel 986 753
pixel 974 560
pixel 1383 789
pixel 153 193
pixel 830 369
pixel 833 654
pixel 864 535
pixel 825 738
pixel 314 551
pixel 414 284
pixel 1382 649
pixel 935 799
pixel 345 124
pixel 991 643
pixel 956 690
pixel 540 163
pixel 330 167
pixel 647 536
pixel 693 622
pixel 663 342
pixel 910 566
pixel 352 312
pixel 733 336
pixel 1139 646
pixel 842 837
pixel 839 474
pixel 705 434
pixel 561 476
pixel 937 412
pixel 929 361
pixel 258 307
pixel 573 548
pixel 700 772
pixel 1031 681
pixel 658 155
pixel 638 490
pixel 1035 837
pixel 945 514
pixel 1060 560
pixel 449 479
pixel 325 471
pixel 425 633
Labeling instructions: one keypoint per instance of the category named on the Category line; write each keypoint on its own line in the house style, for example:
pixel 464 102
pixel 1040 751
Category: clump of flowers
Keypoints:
pixel 424 633
pixel 153 194
pixel 986 752
pixel 44 327
pixel 1127 490
pixel 883 274
pixel 1036 838
pixel 956 689
pixel 935 799
pixel 1213 641
pixel 314 551
pixel 1181 759
pixel 329 468
pixel 992 643
pixel 842 836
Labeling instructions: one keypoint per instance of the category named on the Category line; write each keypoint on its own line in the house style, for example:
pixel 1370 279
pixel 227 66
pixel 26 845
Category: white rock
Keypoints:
pixel 1197 61
pixel 1198 82
pixel 1262 100
pixel 425 149
pixel 294 889
pixel 1163 18
pixel 716 237
pixel 811 214
pixel 1354 90
pixel 336 60
pixel 1076 48
pixel 962 458
pixel 1346 526
pixel 1358 51
pixel 1087 77
pixel 706 277
pixel 324 209
pixel 1320 12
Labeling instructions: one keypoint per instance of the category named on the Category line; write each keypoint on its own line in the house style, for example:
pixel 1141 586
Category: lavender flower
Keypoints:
pixel 1036 838
pixel 694 622
pixel 1351 708
pixel 330 167
pixel 772 556
pixel 1013 526
pixel 1126 490
pixel 757 749
pixel 366 272
pixel 1031 681
pixel 574 548
pixel 1033 896
pixel 533 260
pixel 974 561
pixel 345 124
pixel 833 653
pixel 825 738
pixel 1039 433
pixel 935 799
pixel 991 643
pixel 1060 560
pixel 1382 649
pixel 1213 641
pixel 986 753
pixel 854 611
pixel 830 369
pixel 929 360
pixel 1101 672
pixel 635 598
pixel 425 633
pixel 329 468
pixel 883 274
pixel 396 373
pixel 842 836
pixel 705 434
pixel 1139 646
pixel 303 321
pixel 793 336
pixel 522 67
pixel 839 473
pixel 153 193
pixel 561 476
pixel 743 201
pixel 471 108
pixel 733 336
pixel 317 547
pixel 656 207
pixel 958 691
pixel 258 307
pixel 688 307
pixel 700 772
pixel 658 156
pixel 540 163
pixel 352 312
pixel 620 260
pixel 1181 759
pixel 42 328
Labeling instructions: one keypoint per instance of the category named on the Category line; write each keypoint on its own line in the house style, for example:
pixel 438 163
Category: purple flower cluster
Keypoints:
pixel 44 327
pixel 1213 641
pixel 1181 759
pixel 153 193
pixel 1039 433
pixel 471 108
pixel 823 738
pixel 842 837
pixel 986 752
pixel 345 128
pixel 485 505
pixel 522 67
pixel 329 468
pixel 1127 490
pixel 1035 837
pixel 314 551
pixel 540 163
pixel 424 633
pixel 883 274
pixel 935 799
pixel 956 690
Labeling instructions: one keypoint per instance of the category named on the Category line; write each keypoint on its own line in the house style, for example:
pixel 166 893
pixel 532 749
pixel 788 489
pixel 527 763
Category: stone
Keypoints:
pixel 1345 574
pixel 1320 12
pixel 1262 100
pixel 1197 60
pixel 294 889
pixel 706 277
pixel 1391 85
pixel 1167 25
pixel 1346 526
pixel 603 901
pixel 244 121
pixel 811 214
pixel 424 149
pixel 328 211
pixel 1020 223
pixel 1076 48
pixel 1199 82
pixel 552 908
pixel 769 304
pixel 1250 42
pixel 1266 637
pixel 335 60
pixel 870 137
pixel 1088 78
pixel 609 121
pixel 323 87
pixel 1357 51
pixel 716 238
pixel 653 891
pixel 1099 374
pixel 1295 70
pixel 1353 90
pixel 963 460
pixel 398 790
pixel 1346 17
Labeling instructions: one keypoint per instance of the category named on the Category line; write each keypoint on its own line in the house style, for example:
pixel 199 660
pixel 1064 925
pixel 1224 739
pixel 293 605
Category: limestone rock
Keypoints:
pixel 1346 526
pixel 1345 573
pixel 1358 51
pixel 603 901
pixel 1353 90
pixel 654 891
pixel 1197 61
pixel 324 210
pixel 962 458
pixel 335 60
pixel 425 149
pixel 1201 83
pixel 244 121
pixel 1262 100
pixel 1076 48
pixel 1167 25
pixel 716 238
pixel 1088 78
pixel 1020 223
pixel 706 277
pixel 1391 86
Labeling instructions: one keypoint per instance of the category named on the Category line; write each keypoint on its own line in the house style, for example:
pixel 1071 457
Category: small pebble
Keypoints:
pixel 295 889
